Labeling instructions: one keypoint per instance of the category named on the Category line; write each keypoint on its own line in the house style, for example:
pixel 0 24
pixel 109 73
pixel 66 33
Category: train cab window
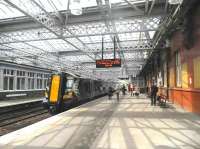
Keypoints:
pixel 69 83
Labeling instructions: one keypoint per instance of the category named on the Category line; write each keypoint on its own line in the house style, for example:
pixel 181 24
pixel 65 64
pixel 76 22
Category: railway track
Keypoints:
pixel 21 117
pixel 16 117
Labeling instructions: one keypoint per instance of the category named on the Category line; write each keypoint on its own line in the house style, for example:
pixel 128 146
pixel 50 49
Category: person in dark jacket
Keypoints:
pixel 154 90
pixel 124 90
pixel 110 90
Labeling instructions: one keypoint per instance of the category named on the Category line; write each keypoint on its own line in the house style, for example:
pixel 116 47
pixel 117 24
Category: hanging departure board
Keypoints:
pixel 107 63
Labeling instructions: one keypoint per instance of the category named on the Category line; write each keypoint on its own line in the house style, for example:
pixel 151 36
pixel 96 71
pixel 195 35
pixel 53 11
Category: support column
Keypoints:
pixel 15 80
pixel 26 80
pixel 1 79
pixel 35 80
pixel 43 86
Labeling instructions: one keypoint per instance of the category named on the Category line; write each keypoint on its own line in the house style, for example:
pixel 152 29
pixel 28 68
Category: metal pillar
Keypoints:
pixel 1 79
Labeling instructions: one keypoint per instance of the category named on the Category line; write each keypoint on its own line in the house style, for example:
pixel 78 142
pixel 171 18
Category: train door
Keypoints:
pixel 92 88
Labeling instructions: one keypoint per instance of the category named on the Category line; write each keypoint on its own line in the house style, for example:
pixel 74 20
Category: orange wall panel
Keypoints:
pixel 187 99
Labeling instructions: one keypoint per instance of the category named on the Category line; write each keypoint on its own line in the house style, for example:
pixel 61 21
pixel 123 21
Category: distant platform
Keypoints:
pixel 106 124
pixel 13 102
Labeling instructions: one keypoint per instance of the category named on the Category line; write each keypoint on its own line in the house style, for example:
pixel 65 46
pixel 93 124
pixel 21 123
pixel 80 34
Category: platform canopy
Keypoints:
pixel 67 35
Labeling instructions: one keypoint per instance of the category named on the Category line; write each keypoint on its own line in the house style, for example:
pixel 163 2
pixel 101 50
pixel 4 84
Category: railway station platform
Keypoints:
pixel 131 123
pixel 14 102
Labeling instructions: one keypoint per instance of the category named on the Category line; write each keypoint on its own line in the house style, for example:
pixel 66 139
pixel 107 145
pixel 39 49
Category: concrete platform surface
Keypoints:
pixel 12 102
pixel 106 124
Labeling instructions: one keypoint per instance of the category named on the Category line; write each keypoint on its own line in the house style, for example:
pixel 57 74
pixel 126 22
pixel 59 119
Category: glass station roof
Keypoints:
pixel 46 33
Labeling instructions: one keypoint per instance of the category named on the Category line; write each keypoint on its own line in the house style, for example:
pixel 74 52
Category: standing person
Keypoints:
pixel 147 89
pixel 109 93
pixel 154 90
pixel 117 93
pixel 123 90
pixel 131 89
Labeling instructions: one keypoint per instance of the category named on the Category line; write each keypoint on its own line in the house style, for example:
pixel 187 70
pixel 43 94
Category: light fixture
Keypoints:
pixel 75 7
pixel 175 2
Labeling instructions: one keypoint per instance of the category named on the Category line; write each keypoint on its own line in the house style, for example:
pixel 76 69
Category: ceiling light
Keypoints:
pixel 75 7
pixel 174 2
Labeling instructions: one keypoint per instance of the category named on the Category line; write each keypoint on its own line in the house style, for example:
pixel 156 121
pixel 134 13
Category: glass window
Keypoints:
pixel 196 67
pixel 32 84
pixel 39 80
pixel 12 72
pixel 178 69
pixel 40 83
pixel 29 83
pixel 45 83
pixel 30 80
pixel 8 79
pixel 184 75
pixel 18 83
pixel 11 83
pixel 5 83
pixel 45 79
pixel 23 83
pixel 21 80
pixel 165 74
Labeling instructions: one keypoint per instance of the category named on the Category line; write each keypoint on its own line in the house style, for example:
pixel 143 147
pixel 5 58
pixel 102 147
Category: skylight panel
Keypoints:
pixel 85 39
pixel 84 58
pixel 76 42
pixel 151 33
pixel 53 5
pixel 129 36
pixel 6 11
pixel 59 5
pixel 42 45
pixel 88 3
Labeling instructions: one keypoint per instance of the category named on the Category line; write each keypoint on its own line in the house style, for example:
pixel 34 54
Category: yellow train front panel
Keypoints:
pixel 54 92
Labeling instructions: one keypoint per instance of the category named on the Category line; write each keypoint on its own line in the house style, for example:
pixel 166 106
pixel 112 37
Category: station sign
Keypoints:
pixel 108 63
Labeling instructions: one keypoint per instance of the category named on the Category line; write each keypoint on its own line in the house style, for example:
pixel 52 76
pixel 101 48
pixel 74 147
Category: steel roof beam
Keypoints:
pixel 120 52
pixel 27 23
pixel 128 50
pixel 146 6
pixel 44 19
pixel 152 5
pixel 43 57
pixel 137 60
pixel 133 6
pixel 2 41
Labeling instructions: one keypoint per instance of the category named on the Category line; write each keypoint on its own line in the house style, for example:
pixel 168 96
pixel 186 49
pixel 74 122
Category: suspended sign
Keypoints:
pixel 107 63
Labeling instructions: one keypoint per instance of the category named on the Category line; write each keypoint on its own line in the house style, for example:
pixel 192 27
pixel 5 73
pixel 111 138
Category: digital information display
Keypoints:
pixel 107 63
